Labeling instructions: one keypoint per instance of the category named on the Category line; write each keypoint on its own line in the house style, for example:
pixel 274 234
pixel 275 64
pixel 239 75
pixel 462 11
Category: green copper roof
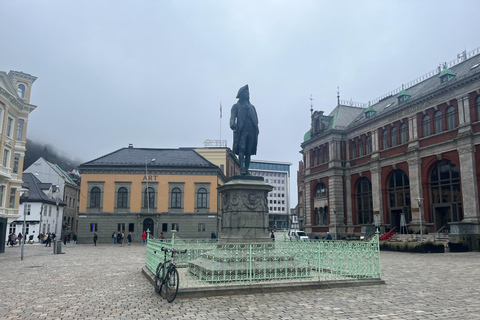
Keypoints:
pixel 445 72
pixel 307 135
pixel 403 93
pixel 370 109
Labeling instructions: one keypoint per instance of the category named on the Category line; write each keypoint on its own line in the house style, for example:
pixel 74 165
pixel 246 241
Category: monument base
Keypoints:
pixel 244 210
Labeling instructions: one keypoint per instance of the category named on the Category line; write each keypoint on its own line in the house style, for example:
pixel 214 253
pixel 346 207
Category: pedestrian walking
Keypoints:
pixel 95 238
pixel 144 238
pixel 114 237
pixel 75 238
pixel 65 239
pixel 20 238
pixel 272 235
pixel 129 237
pixel 119 238
pixel 213 236
pixel 48 242
pixel 329 236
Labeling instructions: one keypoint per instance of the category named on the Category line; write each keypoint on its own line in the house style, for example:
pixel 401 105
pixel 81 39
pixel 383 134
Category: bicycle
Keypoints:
pixel 168 275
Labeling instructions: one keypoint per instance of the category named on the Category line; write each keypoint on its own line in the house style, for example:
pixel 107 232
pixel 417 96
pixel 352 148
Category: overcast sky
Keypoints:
pixel 153 73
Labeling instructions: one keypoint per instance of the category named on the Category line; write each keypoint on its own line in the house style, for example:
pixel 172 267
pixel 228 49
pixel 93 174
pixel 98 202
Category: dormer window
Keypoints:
pixel 446 75
pixel 21 90
pixel 403 95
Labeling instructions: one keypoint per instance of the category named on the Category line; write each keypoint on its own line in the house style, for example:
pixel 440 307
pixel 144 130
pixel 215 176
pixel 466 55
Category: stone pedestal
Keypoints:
pixel 244 210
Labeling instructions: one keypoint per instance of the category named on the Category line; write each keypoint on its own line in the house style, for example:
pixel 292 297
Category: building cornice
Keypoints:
pixel 16 102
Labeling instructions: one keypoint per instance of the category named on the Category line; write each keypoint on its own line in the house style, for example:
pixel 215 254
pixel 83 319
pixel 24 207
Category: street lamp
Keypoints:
pixel 146 177
pixel 25 193
pixel 420 213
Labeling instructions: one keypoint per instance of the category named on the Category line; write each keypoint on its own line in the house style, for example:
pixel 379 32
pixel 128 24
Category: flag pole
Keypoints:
pixel 220 123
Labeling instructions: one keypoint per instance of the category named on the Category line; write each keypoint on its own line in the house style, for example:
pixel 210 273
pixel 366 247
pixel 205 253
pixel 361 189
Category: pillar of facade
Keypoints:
pixel 416 197
pixel 463 111
pixel 468 177
pixel 348 199
pixel 377 192
pixel 336 204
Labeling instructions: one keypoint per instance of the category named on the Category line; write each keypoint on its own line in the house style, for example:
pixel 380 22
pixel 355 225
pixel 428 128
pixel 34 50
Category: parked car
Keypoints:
pixel 297 235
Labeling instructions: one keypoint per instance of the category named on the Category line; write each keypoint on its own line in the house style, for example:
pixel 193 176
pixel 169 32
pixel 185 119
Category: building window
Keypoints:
pixel 399 197
pixel 426 125
pixel 393 136
pixel 364 201
pixel 95 197
pixel 6 158
pixel 21 90
pixel 320 190
pixel 354 150
pixel 477 106
pixel 202 198
pixel 175 226
pixel 201 227
pixel 403 133
pixel 16 162
pixel 385 139
pixel 20 130
pixel 149 198
pixel 321 215
pixel 11 203
pixel 26 209
pixel 451 118
pixel 176 198
pixel 121 227
pixel 131 227
pixel 445 190
pixel 9 127
pixel 93 227
pixel 122 198
pixel 368 142
pixel 2 195
pixel 325 154
pixel 164 227
pixel 314 157
pixel 360 147
pixel 438 121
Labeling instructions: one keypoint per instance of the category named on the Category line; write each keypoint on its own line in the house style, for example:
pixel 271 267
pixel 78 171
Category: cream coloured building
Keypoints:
pixel 15 107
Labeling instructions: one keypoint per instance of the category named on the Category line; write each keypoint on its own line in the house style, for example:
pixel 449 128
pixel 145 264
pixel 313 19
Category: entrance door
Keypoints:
pixel 442 218
pixel 396 215
pixel 148 224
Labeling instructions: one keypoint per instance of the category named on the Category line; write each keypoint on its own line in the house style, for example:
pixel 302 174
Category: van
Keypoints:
pixel 297 235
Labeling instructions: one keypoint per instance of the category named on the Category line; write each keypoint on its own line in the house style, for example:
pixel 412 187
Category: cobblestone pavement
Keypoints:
pixel 105 282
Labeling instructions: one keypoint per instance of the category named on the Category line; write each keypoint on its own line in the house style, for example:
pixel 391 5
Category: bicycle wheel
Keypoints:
pixel 159 278
pixel 172 282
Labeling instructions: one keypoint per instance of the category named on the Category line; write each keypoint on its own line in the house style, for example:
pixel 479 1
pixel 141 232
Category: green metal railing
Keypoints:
pixel 209 263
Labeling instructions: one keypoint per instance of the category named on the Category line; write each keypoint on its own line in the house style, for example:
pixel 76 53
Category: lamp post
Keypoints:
pixel 420 213
pixel 146 177
pixel 25 204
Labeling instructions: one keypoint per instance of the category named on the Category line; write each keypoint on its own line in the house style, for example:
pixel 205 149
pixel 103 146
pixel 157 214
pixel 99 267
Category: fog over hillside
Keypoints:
pixel 35 150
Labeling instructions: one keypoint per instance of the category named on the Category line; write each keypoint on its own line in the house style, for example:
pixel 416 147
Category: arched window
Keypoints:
pixel 122 198
pixel 368 143
pixel 21 91
pixel 477 106
pixel 438 121
pixel 403 133
pixel 149 198
pixel 354 150
pixel 393 136
pixel 385 139
pixel 176 199
pixel 451 118
pixel 202 198
pixel 320 190
pixel 426 126
pixel 445 193
pixel 399 197
pixel 364 201
pixel 360 147
pixel 95 197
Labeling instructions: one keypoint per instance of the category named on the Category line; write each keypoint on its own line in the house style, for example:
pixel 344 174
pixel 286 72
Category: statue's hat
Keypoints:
pixel 242 89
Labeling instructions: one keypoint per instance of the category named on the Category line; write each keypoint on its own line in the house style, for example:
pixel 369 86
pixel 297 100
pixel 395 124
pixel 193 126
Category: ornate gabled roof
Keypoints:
pixel 35 190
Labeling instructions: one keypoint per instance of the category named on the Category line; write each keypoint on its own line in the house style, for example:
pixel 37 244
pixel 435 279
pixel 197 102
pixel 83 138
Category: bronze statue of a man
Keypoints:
pixel 244 123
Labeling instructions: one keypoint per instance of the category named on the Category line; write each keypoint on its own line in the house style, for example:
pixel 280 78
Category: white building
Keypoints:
pixel 68 191
pixel 276 174
pixel 41 209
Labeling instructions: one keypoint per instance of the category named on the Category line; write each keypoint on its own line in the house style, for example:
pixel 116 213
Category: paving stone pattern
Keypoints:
pixel 105 282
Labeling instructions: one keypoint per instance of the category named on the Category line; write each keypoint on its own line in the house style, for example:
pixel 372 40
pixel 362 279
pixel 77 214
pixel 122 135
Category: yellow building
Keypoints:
pixel 135 189
pixel 15 91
